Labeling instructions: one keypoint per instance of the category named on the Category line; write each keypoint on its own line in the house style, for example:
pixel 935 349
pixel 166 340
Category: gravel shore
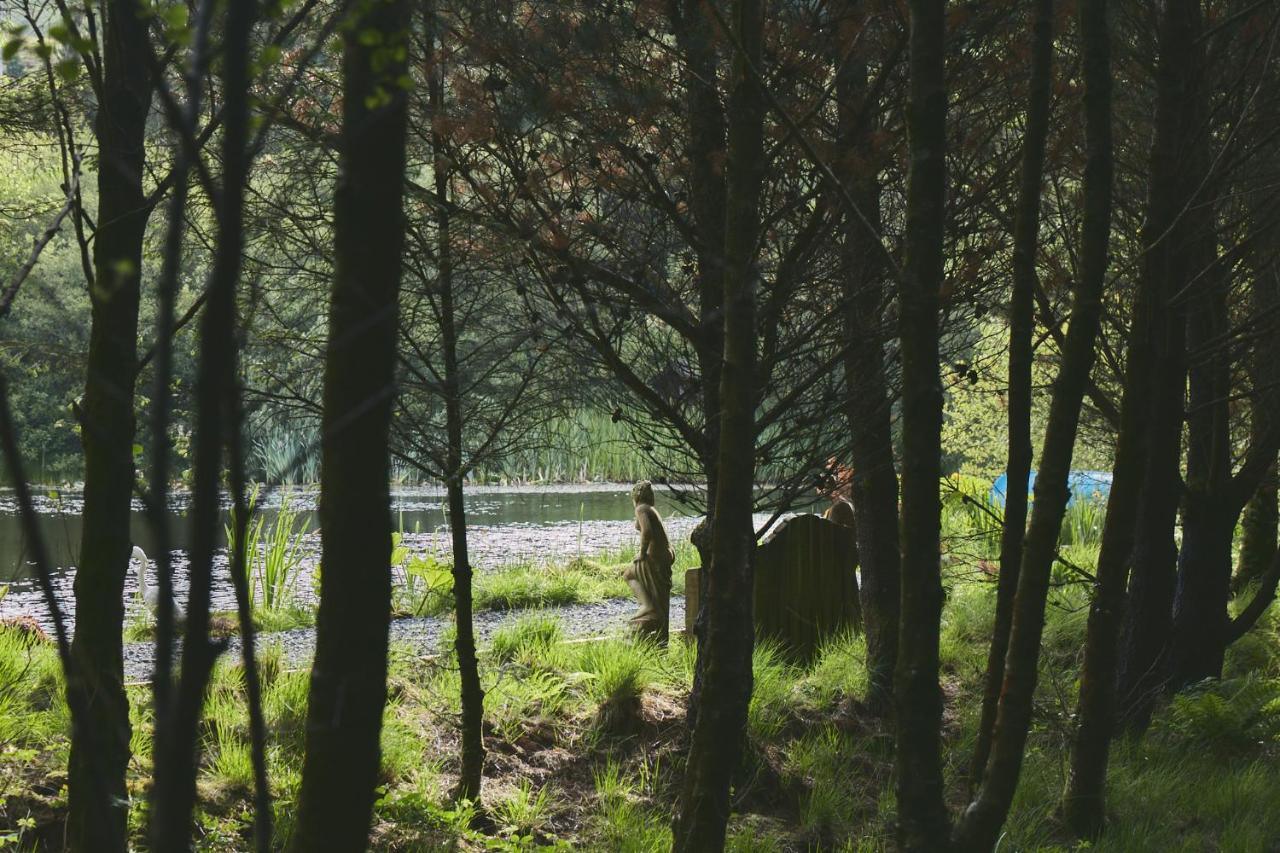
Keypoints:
pixel 422 634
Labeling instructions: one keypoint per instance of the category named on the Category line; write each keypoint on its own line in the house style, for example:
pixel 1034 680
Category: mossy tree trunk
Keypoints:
pixel 726 689
pixel 348 675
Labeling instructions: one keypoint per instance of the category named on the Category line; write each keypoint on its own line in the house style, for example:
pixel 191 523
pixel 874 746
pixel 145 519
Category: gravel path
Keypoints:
pixel 422 634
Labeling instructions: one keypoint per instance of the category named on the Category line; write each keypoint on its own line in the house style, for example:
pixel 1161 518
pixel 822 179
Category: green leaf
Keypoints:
pixel 67 69
pixel 175 16
pixel 11 47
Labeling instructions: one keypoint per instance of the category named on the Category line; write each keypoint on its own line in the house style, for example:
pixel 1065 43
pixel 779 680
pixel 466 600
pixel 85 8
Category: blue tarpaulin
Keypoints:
pixel 1085 485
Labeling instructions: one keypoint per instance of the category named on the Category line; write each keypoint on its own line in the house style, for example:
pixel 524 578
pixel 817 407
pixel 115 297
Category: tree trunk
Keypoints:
pixel 722 712
pixel 1026 234
pixel 98 798
pixel 868 407
pixel 922 813
pixel 1263 510
pixel 979 830
pixel 177 726
pixel 1200 615
pixel 1148 611
pixel 704 149
pixel 348 675
pixel 472 733
pixel 1258 527
pixel 1149 330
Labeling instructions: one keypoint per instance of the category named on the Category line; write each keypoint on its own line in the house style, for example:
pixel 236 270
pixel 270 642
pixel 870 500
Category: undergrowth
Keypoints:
pixel 586 745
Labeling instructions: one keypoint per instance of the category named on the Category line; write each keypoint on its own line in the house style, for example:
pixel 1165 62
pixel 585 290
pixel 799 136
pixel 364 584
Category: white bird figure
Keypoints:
pixel 150 595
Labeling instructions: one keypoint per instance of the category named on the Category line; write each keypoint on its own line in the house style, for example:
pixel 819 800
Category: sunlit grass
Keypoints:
pixel 586 742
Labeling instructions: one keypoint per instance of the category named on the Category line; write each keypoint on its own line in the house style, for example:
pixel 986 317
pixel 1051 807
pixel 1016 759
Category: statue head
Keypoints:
pixel 642 493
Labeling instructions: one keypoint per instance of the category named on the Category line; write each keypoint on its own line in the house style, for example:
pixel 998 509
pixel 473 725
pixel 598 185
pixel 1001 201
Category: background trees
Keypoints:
pixel 751 238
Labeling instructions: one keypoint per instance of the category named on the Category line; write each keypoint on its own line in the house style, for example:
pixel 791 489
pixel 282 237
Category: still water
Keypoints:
pixel 418 510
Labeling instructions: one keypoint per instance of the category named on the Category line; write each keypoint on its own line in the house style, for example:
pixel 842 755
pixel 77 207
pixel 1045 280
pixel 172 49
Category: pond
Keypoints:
pixel 506 525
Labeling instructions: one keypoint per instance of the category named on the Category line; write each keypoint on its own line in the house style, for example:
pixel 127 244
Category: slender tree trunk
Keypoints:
pixel 472 769
pixel 704 150
pixel 868 407
pixel 177 738
pixel 1145 653
pixel 1026 232
pixel 348 675
pixel 469 776
pixel 98 798
pixel 1149 330
pixel 722 712
pixel 979 830
pixel 923 824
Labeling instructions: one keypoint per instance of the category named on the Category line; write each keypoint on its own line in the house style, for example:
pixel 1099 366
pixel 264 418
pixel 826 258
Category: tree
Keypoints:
pixel 865 296
pixel 1021 326
pixel 123 86
pixel 722 711
pixel 979 829
pixel 1155 327
pixel 218 432
pixel 348 675
pixel 922 814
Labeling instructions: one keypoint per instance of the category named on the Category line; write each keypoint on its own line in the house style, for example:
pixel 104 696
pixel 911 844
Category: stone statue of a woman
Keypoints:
pixel 649 574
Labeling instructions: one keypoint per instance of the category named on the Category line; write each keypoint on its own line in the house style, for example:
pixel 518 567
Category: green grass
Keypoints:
pixel 273 554
pixel 587 750
pixel 425 582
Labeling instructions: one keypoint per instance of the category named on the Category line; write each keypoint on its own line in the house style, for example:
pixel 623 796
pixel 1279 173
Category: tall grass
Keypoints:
pixel 972 522
pixel 273 554
pixel 588 446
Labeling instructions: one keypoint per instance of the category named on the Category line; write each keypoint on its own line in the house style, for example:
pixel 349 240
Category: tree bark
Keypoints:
pixel 923 823
pixel 98 798
pixel 348 675
pixel 727 679
pixel 1021 328
pixel 868 407
pixel 1151 329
